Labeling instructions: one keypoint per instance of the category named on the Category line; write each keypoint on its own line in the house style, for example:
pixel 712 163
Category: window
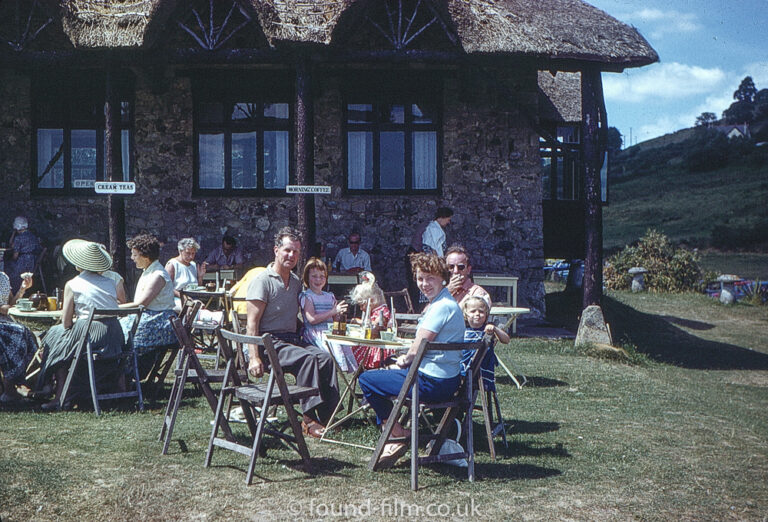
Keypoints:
pixel 560 161
pixel 393 144
pixel 242 137
pixel 69 137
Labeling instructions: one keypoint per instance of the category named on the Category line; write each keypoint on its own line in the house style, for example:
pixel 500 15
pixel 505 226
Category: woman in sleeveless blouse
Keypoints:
pixel 183 269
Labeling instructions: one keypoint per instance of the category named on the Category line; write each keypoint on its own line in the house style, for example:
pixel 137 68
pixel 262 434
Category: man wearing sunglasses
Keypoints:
pixel 353 259
pixel 461 285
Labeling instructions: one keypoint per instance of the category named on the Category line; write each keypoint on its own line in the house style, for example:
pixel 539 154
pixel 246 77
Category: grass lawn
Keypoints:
pixel 682 435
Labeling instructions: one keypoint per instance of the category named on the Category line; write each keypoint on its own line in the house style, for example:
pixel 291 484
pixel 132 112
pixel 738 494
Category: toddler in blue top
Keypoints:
pixel 476 310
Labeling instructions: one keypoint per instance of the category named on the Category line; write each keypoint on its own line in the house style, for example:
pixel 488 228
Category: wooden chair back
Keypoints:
pixel 401 299
pixel 462 401
pixel 84 348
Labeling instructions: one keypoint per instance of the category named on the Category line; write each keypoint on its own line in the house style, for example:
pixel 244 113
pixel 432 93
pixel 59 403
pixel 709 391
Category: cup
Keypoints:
pixel 25 305
pixel 53 304
pixel 387 335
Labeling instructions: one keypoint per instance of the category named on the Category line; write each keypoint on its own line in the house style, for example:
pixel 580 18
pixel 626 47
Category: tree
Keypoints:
pixel 706 119
pixel 615 139
pixel 739 112
pixel 746 91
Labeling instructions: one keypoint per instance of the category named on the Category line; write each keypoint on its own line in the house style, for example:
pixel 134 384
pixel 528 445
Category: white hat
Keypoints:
pixel 20 223
pixel 87 255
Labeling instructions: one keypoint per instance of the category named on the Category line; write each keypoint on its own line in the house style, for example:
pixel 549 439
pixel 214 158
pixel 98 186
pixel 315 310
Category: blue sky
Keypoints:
pixel 706 47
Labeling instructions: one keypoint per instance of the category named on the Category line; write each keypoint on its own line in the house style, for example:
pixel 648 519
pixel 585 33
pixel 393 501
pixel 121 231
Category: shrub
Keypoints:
pixel 670 269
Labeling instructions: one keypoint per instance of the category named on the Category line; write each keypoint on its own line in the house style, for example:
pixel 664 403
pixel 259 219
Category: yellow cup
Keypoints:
pixel 52 304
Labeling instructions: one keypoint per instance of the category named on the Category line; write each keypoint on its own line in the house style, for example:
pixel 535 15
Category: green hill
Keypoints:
pixel 697 188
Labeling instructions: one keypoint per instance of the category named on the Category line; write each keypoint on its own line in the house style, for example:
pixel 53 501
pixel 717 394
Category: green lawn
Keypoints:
pixel 683 435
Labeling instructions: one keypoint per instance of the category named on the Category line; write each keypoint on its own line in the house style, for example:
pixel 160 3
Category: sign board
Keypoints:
pixel 308 189
pixel 115 187
pixel 82 183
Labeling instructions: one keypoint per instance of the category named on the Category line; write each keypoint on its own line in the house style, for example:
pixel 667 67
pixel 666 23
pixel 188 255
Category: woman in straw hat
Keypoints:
pixel 88 289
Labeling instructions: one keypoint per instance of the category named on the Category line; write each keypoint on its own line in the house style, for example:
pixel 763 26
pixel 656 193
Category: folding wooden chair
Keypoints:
pixel 188 370
pixel 263 395
pixel 401 296
pixel 128 353
pixel 38 269
pixel 202 329
pixel 462 402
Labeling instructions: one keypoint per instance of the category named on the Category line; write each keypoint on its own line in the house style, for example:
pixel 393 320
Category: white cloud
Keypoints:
pixel 660 23
pixel 759 73
pixel 665 81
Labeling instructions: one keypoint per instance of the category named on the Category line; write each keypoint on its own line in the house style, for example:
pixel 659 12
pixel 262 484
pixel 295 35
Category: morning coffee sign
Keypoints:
pixel 115 187
pixel 307 189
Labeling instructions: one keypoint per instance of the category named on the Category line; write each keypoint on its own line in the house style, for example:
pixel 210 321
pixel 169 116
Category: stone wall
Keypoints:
pixel 491 178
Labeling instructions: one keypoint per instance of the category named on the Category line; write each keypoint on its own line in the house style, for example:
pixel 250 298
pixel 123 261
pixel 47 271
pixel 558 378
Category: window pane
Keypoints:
pixel 125 151
pixel 83 158
pixel 559 178
pixel 246 111
pixel 276 111
pixel 360 160
pixel 393 114
pixel 546 169
pixel 392 160
pixel 211 148
pixel 568 134
pixel 359 113
pixel 50 147
pixel 125 112
pixel 422 113
pixel 244 160
pixel 276 159
pixel 211 112
pixel 425 160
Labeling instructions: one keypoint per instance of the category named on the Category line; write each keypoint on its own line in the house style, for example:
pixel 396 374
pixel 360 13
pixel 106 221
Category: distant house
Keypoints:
pixel 399 106
pixel 734 131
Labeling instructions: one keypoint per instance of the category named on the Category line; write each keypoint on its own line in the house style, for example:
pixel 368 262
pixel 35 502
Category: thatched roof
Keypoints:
pixel 109 23
pixel 560 96
pixel 543 29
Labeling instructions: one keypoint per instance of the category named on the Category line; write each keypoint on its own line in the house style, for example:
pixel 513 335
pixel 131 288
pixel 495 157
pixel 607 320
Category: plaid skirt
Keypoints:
pixel 17 347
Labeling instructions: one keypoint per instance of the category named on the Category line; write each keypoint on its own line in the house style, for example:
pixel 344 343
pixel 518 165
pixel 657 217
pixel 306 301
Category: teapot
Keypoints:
pixel 39 301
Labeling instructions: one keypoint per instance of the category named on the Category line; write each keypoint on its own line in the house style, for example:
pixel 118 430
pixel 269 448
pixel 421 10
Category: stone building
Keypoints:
pixel 399 106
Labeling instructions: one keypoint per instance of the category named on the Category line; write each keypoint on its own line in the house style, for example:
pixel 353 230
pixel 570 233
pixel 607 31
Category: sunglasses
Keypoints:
pixel 461 267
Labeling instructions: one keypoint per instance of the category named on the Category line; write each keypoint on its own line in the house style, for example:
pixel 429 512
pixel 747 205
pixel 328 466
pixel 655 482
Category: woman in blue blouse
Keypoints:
pixel 439 372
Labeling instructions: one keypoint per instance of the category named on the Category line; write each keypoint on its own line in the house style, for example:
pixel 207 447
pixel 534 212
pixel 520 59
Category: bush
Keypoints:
pixel 670 269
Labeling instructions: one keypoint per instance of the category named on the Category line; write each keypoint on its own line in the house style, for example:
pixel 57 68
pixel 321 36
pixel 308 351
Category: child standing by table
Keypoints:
pixel 318 308
pixel 368 294
pixel 476 312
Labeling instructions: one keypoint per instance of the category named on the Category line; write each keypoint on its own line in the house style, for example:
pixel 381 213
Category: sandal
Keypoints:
pixel 391 453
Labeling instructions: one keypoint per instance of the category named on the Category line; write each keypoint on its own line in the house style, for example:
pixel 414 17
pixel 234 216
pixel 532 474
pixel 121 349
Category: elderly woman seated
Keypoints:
pixel 439 372
pixel 154 291
pixel 17 342
pixel 183 269
pixel 88 289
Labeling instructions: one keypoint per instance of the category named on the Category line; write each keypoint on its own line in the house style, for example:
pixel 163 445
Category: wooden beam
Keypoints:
pixel 593 124
pixel 113 162
pixel 303 125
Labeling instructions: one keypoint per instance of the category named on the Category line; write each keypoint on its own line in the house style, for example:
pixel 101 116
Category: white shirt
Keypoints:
pixel 92 290
pixel 434 238
pixel 349 260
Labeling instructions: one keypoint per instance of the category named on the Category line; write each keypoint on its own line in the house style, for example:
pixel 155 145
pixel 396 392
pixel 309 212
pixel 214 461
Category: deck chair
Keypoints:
pixel 257 399
pixel 462 402
pixel 203 332
pixel 84 350
pixel 189 370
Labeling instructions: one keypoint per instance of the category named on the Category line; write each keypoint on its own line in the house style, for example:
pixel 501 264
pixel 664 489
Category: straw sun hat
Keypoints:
pixel 87 255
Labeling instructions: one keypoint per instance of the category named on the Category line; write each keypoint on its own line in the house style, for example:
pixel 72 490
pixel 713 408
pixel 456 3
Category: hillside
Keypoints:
pixel 652 185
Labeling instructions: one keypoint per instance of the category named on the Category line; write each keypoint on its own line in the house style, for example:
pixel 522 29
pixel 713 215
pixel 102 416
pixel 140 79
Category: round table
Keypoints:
pixel 35 320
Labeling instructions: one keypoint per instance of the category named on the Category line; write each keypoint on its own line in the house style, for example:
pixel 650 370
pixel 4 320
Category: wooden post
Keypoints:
pixel 305 203
pixel 593 125
pixel 113 162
